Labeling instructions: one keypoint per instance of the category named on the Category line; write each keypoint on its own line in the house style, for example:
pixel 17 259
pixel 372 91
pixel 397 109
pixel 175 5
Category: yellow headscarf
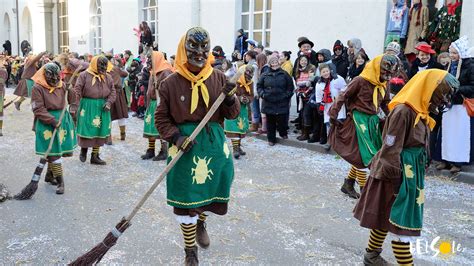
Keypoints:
pixel 159 63
pixel 197 82
pixel 417 94
pixel 40 78
pixel 371 73
pixel 242 81
pixel 92 69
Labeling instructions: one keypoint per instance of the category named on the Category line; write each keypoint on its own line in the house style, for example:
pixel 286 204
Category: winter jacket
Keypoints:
pixel 341 62
pixel 431 64
pixel 241 44
pixel 327 60
pixel 275 87
pixel 398 19
pixel 313 59
pixel 466 80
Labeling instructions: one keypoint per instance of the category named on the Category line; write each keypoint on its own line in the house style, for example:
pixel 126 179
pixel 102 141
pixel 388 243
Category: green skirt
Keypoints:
pixel 407 209
pixel 1 105
pixel 149 129
pixel 369 135
pixel 240 125
pixel 65 140
pixel 204 174
pixel 92 121
pixel 29 86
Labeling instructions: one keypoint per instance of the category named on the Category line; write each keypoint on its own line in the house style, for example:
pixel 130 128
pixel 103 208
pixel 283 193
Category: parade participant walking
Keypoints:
pixel 358 138
pixel 95 94
pixel 119 108
pixel 160 69
pixel 25 85
pixel 201 179
pixel 236 129
pixel 48 99
pixel 3 79
pixel 394 196
pixel 69 66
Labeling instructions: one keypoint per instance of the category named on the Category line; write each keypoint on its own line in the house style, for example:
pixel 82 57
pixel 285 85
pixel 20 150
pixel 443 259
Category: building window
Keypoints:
pixel 256 20
pixel 150 15
pixel 63 26
pixel 96 26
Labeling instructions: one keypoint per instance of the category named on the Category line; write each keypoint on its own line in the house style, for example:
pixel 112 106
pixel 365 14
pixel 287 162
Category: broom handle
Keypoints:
pixel 10 102
pixel 63 112
pixel 196 131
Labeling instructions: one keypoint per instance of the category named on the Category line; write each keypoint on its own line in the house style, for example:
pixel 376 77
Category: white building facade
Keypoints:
pixel 93 26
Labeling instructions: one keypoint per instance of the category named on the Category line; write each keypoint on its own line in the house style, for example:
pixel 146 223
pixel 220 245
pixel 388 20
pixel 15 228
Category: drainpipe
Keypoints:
pixel 18 28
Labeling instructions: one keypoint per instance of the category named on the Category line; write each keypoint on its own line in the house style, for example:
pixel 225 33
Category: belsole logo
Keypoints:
pixel 443 249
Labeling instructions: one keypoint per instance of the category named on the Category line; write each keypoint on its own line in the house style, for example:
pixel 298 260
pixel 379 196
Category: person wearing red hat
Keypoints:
pixel 424 59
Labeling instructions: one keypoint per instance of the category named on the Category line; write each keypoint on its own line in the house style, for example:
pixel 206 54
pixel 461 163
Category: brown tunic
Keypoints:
pixel 72 67
pixel 174 109
pixel 374 206
pixel 119 108
pixel 357 96
pixel 43 101
pixel 100 90
pixel 29 70
pixel 160 76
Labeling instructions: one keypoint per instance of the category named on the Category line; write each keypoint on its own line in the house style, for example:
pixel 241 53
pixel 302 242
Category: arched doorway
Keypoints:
pixel 6 27
pixel 26 32
pixel 96 26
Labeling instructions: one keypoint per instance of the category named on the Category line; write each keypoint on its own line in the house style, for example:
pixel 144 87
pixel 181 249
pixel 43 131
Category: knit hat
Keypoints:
pixel 462 46
pixel 273 58
pixel 338 45
pixel 394 47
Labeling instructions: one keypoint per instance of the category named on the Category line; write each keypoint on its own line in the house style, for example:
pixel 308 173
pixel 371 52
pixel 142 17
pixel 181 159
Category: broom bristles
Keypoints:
pixel 27 192
pixel 96 254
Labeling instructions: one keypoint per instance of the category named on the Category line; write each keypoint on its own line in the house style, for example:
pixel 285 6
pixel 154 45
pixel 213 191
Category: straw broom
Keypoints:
pixel 95 255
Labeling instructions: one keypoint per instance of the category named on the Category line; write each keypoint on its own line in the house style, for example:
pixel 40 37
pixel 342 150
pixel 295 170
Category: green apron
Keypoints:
pixel 65 140
pixel 92 121
pixel 1 104
pixel 149 129
pixel 369 135
pixel 240 125
pixel 29 86
pixel 407 209
pixel 204 174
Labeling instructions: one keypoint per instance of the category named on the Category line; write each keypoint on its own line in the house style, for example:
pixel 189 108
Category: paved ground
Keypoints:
pixel 286 209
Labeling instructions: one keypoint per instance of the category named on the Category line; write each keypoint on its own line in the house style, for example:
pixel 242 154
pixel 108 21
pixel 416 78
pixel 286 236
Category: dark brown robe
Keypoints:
pixel 119 108
pixel 100 90
pixel 174 109
pixel 29 70
pixel 151 91
pixel 374 206
pixel 357 96
pixel 72 66
pixel 3 80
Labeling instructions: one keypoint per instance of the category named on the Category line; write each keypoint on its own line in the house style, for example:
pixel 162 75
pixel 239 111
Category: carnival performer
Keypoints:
pixel 69 66
pixel 48 99
pixel 119 109
pixel 200 181
pixel 3 79
pixel 160 69
pixel 95 94
pixel 394 197
pixel 358 137
pixel 236 129
pixel 23 90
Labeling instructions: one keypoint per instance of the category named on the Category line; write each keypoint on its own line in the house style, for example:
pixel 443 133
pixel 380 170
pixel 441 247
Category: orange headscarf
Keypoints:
pixel 92 69
pixel 159 63
pixel 242 81
pixel 40 78
pixel 197 81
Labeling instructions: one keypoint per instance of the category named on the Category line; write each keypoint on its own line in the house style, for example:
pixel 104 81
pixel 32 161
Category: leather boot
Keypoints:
pixel 60 188
pixel 191 256
pixel 150 153
pixel 83 155
pixel 95 159
pixel 373 258
pixel 304 134
pixel 253 128
pixel 122 133
pixel 235 152
pixel 313 139
pixel 49 178
pixel 348 188
pixel 202 238
pixel 163 154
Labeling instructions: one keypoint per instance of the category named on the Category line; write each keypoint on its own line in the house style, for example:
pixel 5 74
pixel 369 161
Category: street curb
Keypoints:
pixel 463 177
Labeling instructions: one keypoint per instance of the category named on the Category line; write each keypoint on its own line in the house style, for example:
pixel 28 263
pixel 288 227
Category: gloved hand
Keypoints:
pixel 56 123
pixel 107 107
pixel 244 99
pixel 335 122
pixel 184 143
pixel 229 89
